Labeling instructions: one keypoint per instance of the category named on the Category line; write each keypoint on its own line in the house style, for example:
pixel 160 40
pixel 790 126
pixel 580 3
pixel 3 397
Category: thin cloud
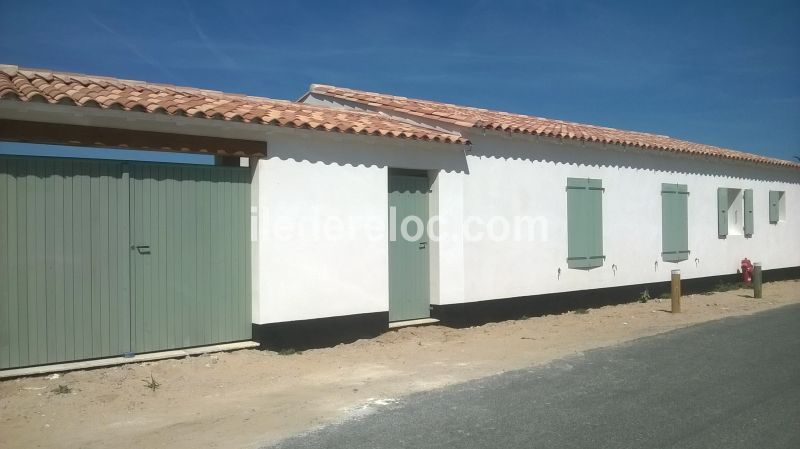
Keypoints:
pixel 227 61
pixel 134 49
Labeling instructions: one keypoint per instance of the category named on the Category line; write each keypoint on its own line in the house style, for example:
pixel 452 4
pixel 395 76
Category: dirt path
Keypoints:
pixel 250 398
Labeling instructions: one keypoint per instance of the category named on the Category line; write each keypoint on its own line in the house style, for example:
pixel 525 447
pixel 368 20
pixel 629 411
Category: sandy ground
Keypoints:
pixel 251 398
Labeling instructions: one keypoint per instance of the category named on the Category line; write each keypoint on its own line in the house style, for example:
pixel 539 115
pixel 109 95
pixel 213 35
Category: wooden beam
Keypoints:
pixel 90 136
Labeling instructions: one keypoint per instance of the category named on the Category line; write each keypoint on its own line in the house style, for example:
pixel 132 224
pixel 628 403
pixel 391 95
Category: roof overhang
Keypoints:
pixel 92 136
pixel 136 97
pixel 46 123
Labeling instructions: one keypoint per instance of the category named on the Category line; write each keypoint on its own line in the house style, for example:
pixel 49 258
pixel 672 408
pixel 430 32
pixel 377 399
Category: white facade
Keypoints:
pixel 314 177
pixel 311 182
pixel 531 173
pixel 317 177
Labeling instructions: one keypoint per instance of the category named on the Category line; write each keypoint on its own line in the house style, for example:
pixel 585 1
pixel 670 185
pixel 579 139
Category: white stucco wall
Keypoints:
pixel 511 175
pixel 311 177
pixel 447 252
pixel 306 274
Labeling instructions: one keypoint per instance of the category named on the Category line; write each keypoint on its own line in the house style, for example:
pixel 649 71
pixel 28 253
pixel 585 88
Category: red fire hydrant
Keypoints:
pixel 747 271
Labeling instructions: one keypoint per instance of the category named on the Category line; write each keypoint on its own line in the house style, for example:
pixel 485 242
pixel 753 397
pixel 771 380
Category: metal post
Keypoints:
pixel 676 291
pixel 757 280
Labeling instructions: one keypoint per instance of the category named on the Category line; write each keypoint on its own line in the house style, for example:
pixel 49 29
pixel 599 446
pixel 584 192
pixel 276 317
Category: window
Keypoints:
pixel 735 210
pixel 674 222
pixel 777 206
pixel 585 223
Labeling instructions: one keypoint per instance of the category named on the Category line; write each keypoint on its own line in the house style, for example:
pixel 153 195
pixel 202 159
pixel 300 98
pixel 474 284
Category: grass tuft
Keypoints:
pixel 151 383
pixel 726 287
pixel 62 389
pixel 289 351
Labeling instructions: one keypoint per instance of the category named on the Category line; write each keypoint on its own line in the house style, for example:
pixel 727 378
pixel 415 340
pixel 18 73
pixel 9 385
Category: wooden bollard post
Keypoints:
pixel 676 291
pixel 757 280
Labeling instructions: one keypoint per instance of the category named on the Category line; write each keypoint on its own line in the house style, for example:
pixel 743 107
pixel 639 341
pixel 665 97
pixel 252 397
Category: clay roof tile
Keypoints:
pixel 87 90
pixel 471 117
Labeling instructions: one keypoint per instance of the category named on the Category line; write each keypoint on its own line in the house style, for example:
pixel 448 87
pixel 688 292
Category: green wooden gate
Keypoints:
pixel 64 261
pixel 75 279
pixel 189 268
pixel 409 276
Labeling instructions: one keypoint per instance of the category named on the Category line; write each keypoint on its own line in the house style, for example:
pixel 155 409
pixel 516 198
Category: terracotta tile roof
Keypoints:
pixel 110 93
pixel 516 123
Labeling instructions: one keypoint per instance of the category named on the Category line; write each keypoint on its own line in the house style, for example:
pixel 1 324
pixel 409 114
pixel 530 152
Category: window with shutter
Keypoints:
pixel 674 222
pixel 735 212
pixel 777 206
pixel 722 212
pixel 585 223
pixel 748 213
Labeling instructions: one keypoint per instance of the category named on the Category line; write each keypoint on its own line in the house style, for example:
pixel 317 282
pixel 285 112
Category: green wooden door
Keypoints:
pixel 409 296
pixel 64 260
pixel 190 267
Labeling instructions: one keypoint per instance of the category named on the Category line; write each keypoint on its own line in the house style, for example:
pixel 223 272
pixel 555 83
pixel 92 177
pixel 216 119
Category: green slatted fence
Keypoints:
pixel 72 287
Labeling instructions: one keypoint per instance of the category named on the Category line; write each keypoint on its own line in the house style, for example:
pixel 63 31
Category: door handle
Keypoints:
pixel 423 245
pixel 141 249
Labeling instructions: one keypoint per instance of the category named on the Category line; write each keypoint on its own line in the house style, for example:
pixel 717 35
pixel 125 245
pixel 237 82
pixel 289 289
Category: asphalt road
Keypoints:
pixel 733 383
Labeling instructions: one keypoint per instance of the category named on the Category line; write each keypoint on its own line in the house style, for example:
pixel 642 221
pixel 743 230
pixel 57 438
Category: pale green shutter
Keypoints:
pixel 748 212
pixel 722 211
pixel 595 207
pixel 578 238
pixel 674 222
pixel 585 222
pixel 774 199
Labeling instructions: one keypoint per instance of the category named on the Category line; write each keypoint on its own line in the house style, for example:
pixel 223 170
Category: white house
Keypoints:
pixel 658 207
pixel 360 205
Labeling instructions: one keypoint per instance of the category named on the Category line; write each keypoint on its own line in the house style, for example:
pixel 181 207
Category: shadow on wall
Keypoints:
pixel 329 332
pixel 540 149
pixel 369 151
pixel 320 333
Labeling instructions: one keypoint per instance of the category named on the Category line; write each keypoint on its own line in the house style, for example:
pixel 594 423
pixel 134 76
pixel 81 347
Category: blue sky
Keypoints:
pixel 725 73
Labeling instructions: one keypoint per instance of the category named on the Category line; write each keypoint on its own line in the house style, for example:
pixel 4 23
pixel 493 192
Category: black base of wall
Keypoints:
pixel 320 333
pixel 328 332
pixel 481 312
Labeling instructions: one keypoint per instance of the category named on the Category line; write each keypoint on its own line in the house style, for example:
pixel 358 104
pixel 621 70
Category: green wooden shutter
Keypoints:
pixel 674 222
pixel 774 199
pixel 578 238
pixel 585 222
pixel 748 212
pixel 595 200
pixel 722 211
